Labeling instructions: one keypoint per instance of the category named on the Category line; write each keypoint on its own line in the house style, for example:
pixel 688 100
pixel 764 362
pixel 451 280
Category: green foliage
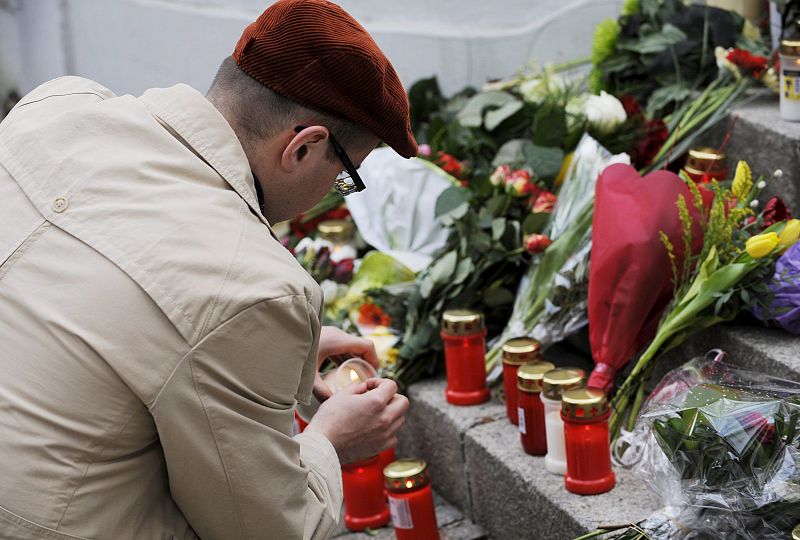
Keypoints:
pixel 663 51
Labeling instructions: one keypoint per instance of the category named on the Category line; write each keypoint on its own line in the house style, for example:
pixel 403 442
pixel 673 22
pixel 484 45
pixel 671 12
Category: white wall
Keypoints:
pixel 131 45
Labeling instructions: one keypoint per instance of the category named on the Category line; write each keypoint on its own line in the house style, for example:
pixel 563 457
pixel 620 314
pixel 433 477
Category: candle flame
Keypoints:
pixel 409 484
pixel 354 376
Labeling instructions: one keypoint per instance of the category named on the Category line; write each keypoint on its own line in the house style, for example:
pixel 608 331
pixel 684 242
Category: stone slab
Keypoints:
pixel 767 143
pixel 452 526
pixel 515 497
pixel 434 431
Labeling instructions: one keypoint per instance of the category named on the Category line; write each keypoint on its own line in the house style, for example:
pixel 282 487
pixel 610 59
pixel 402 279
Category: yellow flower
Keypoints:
pixel 761 245
pixel 790 233
pixel 742 181
pixel 562 174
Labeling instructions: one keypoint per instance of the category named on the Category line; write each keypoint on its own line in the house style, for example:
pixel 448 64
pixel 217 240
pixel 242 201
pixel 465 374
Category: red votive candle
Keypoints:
pixel 299 423
pixel 515 353
pixel 530 411
pixel 411 500
pixel 464 336
pixel 364 499
pixel 585 413
pixel 706 164
pixel 386 457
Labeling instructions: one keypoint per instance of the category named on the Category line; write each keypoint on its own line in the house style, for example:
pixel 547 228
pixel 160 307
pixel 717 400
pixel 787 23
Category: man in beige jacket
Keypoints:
pixel 155 337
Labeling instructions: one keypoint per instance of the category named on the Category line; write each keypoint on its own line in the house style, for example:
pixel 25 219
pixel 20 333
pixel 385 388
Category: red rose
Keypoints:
pixel 654 136
pixel 757 425
pixel 544 202
pixel 774 211
pixel 449 164
pixel 748 62
pixel 536 243
pixel 632 107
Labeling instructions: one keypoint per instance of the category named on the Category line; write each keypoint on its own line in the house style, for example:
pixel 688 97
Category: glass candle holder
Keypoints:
pixel 585 413
pixel 790 80
pixel 530 409
pixel 706 164
pixel 464 336
pixel 515 353
pixel 340 233
pixel 411 500
pixel 364 499
pixel 554 384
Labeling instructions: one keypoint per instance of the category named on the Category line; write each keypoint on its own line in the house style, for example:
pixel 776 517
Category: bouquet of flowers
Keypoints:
pixel 551 299
pixel 722 453
pixel 728 274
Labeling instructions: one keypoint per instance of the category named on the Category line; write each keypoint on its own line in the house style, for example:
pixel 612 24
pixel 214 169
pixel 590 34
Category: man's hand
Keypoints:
pixel 361 419
pixel 339 346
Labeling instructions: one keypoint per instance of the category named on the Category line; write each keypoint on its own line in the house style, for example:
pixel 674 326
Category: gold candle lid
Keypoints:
pixel 558 381
pixel 406 475
pixel 530 375
pixel 517 351
pixel 584 403
pixel 790 47
pixel 796 533
pixel 704 160
pixel 335 230
pixel 462 322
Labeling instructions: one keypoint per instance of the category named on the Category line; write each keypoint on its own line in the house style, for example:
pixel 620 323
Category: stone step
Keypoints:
pixel 477 463
pixel 452 526
pixel 767 143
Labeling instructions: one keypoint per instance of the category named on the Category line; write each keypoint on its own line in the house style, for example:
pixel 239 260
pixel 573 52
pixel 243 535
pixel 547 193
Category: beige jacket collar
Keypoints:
pixel 189 114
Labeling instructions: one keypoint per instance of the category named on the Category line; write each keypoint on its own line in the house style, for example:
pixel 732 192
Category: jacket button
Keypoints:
pixel 59 205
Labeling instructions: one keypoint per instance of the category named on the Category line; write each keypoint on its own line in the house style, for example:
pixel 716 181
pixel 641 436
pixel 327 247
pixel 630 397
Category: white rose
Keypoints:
pixel 605 112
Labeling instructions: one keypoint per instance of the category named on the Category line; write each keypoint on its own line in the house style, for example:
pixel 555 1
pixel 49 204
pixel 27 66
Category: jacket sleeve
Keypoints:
pixel 225 420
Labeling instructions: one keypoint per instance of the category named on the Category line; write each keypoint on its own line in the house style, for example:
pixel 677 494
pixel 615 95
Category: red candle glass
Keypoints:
pixel 530 410
pixel 464 336
pixel 585 413
pixel 364 499
pixel 515 353
pixel 411 500
pixel 299 423
pixel 386 457
pixel 706 164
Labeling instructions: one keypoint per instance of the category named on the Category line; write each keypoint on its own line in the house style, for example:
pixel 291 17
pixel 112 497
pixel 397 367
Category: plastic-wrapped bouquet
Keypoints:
pixel 721 451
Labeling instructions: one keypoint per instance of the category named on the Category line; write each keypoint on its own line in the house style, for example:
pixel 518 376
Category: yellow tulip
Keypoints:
pixel 742 181
pixel 790 233
pixel 761 245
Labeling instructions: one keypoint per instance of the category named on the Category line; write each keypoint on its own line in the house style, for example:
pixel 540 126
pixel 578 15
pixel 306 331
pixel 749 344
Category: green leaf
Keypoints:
pixel 451 200
pixel 497 116
pixel 441 271
pixel 535 222
pixel 550 126
pixel 654 43
pixel 511 153
pixel 673 93
pixel 546 162
pixel 496 206
pixel 472 113
pixel 498 228
pixel 463 271
pixel 497 296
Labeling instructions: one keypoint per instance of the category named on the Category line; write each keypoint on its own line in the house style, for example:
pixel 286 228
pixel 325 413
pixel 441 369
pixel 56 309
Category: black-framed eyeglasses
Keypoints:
pixel 348 181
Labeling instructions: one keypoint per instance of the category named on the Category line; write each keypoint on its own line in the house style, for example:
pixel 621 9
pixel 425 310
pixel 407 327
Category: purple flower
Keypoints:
pixel 784 309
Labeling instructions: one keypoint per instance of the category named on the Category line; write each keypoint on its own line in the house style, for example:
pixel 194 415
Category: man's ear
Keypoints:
pixel 310 143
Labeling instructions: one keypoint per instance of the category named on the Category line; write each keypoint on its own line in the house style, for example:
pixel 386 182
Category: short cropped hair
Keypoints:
pixel 261 113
